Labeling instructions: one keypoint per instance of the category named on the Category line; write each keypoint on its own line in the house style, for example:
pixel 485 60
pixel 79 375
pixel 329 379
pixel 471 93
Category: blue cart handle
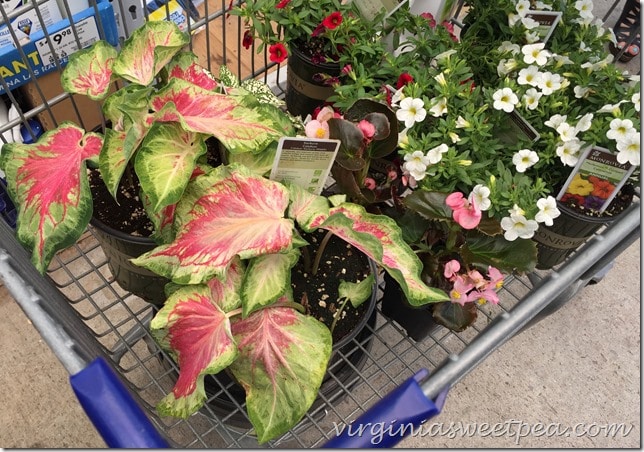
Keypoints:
pixel 118 418
pixel 392 418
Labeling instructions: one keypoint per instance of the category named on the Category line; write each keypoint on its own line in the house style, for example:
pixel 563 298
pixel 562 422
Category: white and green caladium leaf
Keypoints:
pixel 185 66
pixel 354 225
pixel 165 162
pixel 199 335
pixel 356 293
pixel 224 213
pixel 266 279
pixel 306 208
pixel 89 71
pixel 48 182
pixel 148 50
pixel 227 293
pixel 238 128
pixel 282 360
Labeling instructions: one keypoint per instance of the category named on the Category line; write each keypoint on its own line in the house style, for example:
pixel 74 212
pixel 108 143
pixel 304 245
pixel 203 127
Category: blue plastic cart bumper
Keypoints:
pixel 115 414
pixel 395 416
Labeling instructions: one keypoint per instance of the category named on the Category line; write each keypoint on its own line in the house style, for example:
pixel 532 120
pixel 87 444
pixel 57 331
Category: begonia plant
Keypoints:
pixel 161 106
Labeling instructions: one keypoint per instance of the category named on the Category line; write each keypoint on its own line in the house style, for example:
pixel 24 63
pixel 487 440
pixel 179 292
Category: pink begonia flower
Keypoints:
pixel 458 294
pixel 477 279
pixel 451 268
pixel 487 294
pixel 368 130
pixel 465 213
pixel 392 175
pixel 326 113
pixel 496 277
pixel 369 183
pixel 317 129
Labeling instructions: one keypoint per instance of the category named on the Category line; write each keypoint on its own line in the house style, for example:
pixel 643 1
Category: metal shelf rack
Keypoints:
pixel 78 304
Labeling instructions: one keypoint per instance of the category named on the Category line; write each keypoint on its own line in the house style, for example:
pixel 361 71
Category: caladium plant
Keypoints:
pixel 237 240
pixel 159 118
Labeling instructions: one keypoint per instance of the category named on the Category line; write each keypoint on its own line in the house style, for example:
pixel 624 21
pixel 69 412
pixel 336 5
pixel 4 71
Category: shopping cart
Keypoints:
pixel 99 332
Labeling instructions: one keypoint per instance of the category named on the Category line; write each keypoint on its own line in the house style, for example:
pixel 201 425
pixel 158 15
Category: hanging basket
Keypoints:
pixel 305 90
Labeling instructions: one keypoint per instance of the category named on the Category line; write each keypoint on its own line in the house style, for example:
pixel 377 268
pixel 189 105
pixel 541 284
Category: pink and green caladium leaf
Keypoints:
pixel 356 293
pixel 48 182
pixel 238 128
pixel 184 66
pixel 89 71
pixel 266 279
pixel 224 213
pixel 282 360
pixel 165 162
pixel 198 333
pixel 148 50
pixel 307 208
pixel 354 225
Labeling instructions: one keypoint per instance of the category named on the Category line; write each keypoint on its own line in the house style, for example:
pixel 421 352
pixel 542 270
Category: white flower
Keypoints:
pixel 584 48
pixel 416 164
pixel 513 19
pixel 562 59
pixel 439 107
pixel 523 6
pixel 517 226
pixel 440 78
pixel 611 108
pixel 581 91
pixel 529 23
pixel 462 123
pixel 585 8
pixel 541 6
pixel 620 129
pixel 566 132
pixel 529 76
pixel 411 111
pixel 509 47
pixel 535 53
pixel 548 210
pixel 532 36
pixel 635 98
pixel 549 82
pixel 505 99
pixel 454 137
pixel 435 155
pixel 629 149
pixel 481 196
pixel 506 66
pixel 584 123
pixel 516 210
pixel 524 159
pixel 531 98
pixel 444 55
pixel 568 152
pixel 555 120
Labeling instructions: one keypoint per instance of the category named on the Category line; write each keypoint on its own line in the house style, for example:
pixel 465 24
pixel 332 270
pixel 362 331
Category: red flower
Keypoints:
pixel 318 30
pixel 278 53
pixel 333 20
pixel 282 4
pixel 404 79
pixel 247 40
pixel 430 19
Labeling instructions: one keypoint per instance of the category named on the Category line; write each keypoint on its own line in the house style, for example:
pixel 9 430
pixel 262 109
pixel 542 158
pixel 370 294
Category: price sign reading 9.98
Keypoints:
pixel 64 42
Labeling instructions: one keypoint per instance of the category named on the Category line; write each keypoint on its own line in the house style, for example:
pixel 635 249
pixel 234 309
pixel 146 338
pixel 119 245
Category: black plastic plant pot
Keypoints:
pixel 418 322
pixel 569 231
pixel 305 89
pixel 119 248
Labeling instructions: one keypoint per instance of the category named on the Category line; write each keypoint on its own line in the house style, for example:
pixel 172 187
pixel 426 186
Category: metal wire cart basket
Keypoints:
pixel 83 314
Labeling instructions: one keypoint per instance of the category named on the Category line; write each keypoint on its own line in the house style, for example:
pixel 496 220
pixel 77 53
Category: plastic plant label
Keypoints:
pixel 305 162
pixel 596 179
pixel 369 9
pixel 547 20
pixel 516 130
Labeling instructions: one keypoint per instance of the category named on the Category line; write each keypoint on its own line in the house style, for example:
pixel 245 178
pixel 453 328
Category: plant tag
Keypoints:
pixel 369 9
pixel 547 20
pixel 517 130
pixel 596 179
pixel 304 161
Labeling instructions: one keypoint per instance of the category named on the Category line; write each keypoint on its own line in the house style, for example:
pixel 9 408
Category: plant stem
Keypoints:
pixel 320 252
pixel 337 314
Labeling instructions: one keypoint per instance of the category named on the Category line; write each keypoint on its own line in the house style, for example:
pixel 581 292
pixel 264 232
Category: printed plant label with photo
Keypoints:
pixel 596 179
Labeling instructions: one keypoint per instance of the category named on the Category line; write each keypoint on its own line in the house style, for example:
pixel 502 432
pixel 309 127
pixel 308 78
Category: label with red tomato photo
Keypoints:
pixel 596 179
